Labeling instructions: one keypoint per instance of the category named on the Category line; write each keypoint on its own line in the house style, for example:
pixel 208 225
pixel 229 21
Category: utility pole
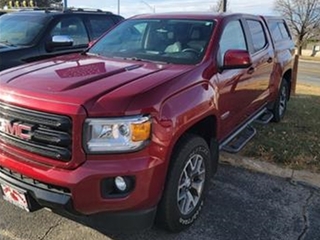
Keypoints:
pixel 224 5
pixel 118 7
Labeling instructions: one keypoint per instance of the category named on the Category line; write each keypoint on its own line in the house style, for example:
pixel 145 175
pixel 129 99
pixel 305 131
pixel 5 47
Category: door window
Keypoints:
pixel 232 38
pixel 72 27
pixel 99 25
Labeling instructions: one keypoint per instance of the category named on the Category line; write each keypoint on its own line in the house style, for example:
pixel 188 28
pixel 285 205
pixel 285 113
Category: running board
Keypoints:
pixel 240 140
pixel 236 141
pixel 265 118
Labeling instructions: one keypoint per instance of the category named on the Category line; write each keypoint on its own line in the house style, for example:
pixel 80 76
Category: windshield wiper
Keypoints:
pixel 144 60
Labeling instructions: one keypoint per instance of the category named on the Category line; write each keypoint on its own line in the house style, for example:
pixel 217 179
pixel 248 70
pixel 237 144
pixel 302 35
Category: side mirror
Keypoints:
pixel 59 41
pixel 236 59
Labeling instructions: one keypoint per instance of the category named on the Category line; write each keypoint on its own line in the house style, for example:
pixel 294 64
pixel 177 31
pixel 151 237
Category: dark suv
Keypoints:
pixel 32 35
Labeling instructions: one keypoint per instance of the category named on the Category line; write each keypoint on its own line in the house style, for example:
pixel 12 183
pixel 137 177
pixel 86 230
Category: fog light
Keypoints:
pixel 120 183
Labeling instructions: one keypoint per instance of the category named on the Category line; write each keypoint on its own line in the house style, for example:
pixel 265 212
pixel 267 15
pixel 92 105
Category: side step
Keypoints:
pixel 264 118
pixel 240 140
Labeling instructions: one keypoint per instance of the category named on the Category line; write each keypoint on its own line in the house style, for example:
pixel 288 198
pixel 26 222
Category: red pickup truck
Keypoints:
pixel 130 130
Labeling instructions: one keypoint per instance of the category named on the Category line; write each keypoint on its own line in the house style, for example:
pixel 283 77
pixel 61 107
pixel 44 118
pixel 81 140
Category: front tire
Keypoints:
pixel 186 185
pixel 280 106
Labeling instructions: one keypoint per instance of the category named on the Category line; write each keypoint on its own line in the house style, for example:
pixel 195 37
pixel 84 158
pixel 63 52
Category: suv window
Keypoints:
pixel 232 31
pixel 73 27
pixel 259 40
pixel 99 25
pixel 15 30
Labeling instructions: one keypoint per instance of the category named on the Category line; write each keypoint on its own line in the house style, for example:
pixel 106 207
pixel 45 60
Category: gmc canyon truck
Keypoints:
pixel 128 132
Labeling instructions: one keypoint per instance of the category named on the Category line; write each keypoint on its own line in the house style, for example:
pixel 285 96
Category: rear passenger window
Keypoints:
pixel 275 31
pixel 284 31
pixel 100 25
pixel 258 35
pixel 278 30
pixel 232 38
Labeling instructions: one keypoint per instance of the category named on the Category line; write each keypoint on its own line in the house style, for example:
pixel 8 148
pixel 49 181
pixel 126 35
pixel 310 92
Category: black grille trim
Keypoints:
pixel 50 120
pixel 33 182
pixel 54 152
pixel 51 134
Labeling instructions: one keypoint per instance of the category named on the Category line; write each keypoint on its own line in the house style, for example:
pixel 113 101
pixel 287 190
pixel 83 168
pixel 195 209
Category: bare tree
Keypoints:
pixel 303 18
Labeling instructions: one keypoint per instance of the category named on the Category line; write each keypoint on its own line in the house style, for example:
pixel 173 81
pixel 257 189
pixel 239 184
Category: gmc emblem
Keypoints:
pixel 17 129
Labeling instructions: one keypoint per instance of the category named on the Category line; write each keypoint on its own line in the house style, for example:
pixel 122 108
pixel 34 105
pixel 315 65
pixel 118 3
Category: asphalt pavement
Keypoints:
pixel 241 204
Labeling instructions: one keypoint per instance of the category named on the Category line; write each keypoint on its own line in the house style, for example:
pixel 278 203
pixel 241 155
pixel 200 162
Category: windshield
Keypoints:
pixel 164 40
pixel 17 30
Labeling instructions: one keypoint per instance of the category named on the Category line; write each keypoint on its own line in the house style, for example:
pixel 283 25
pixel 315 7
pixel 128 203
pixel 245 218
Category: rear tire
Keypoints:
pixel 187 184
pixel 280 106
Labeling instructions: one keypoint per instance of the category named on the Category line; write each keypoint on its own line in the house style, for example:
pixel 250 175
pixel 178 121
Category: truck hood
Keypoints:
pixel 82 79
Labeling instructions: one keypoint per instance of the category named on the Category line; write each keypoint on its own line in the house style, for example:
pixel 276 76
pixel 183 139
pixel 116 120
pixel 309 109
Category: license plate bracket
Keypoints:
pixel 15 196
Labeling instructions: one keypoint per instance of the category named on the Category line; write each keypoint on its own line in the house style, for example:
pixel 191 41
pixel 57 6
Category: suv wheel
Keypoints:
pixel 186 185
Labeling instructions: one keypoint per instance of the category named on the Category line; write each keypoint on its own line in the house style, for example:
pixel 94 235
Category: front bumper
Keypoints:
pixel 76 194
pixel 62 204
pixel 80 190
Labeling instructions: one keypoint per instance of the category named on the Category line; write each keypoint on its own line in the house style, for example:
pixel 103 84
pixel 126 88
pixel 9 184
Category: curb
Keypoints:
pixel 302 176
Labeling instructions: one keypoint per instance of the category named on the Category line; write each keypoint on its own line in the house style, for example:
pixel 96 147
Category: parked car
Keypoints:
pixel 130 130
pixel 30 35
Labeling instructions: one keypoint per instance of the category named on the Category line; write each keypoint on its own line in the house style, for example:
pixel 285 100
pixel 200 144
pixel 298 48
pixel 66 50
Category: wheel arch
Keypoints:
pixel 288 77
pixel 205 128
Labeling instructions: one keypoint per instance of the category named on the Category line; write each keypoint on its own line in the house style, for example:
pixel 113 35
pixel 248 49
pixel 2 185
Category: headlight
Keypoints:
pixel 112 135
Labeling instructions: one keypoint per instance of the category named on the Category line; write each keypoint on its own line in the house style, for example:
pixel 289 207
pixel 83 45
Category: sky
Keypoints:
pixel 132 7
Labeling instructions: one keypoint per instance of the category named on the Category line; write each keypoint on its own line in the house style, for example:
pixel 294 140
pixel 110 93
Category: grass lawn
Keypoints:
pixel 295 142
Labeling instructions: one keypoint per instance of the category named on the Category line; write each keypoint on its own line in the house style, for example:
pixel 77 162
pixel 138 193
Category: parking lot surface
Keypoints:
pixel 241 205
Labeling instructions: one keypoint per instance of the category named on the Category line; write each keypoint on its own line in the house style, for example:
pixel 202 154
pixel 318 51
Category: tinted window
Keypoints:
pixel 232 38
pixel 99 25
pixel 258 36
pixel 72 27
pixel 16 30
